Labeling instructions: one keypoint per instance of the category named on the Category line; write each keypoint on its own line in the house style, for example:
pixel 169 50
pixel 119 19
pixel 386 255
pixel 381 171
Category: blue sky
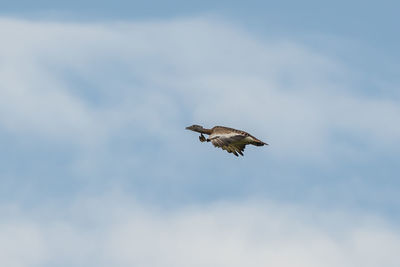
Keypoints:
pixel 97 169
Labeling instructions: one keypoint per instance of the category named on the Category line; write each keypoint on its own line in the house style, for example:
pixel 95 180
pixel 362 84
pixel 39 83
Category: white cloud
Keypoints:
pixel 21 244
pixel 156 76
pixel 120 232
pixel 253 235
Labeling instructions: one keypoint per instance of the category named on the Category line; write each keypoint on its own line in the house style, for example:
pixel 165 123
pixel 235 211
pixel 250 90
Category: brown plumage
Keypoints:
pixel 229 139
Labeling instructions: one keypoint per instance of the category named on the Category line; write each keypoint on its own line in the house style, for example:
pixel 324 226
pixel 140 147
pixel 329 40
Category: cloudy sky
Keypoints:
pixel 97 169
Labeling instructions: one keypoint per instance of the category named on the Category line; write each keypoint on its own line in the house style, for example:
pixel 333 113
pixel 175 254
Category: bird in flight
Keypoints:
pixel 229 139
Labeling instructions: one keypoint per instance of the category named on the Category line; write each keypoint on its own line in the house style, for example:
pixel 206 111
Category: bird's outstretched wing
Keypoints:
pixel 233 143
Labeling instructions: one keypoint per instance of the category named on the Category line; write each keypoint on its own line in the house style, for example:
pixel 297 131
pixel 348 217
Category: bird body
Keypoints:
pixel 229 139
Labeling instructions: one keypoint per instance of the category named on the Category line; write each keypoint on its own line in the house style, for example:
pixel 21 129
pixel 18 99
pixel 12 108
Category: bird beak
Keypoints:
pixel 188 128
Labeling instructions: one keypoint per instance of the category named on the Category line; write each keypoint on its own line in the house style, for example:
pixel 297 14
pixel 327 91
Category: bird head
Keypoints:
pixel 195 128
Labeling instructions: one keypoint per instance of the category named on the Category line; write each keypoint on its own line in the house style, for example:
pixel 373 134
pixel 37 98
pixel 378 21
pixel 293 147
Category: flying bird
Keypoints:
pixel 229 139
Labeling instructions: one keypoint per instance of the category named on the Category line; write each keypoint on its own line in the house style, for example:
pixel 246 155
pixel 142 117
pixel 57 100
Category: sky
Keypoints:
pixel 97 168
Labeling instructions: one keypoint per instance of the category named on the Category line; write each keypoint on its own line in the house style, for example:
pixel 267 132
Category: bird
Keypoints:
pixel 229 139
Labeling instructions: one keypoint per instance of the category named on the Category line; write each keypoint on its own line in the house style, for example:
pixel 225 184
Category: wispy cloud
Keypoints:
pixel 83 81
pixel 118 231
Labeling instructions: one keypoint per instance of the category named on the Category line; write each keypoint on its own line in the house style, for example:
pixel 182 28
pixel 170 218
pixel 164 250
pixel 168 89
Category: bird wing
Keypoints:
pixel 250 140
pixel 232 143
